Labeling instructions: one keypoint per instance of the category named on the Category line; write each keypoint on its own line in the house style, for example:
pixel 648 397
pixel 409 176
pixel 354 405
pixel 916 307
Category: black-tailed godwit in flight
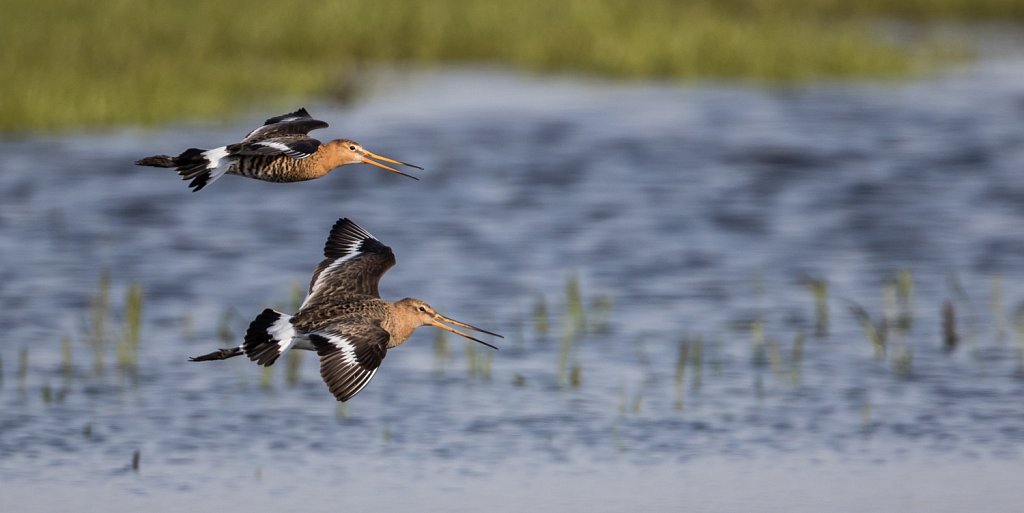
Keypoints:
pixel 343 317
pixel 279 151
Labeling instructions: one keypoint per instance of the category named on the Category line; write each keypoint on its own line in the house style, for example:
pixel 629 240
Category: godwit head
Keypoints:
pixel 411 313
pixel 345 151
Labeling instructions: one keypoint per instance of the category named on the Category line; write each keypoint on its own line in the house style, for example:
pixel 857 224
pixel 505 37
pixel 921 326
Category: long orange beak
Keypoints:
pixel 437 322
pixel 369 155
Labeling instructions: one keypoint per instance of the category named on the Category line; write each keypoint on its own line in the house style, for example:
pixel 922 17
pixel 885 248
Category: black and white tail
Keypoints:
pixel 270 334
pixel 200 166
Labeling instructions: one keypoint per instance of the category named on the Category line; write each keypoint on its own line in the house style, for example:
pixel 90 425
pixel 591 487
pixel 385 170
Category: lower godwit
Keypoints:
pixel 343 317
pixel 279 151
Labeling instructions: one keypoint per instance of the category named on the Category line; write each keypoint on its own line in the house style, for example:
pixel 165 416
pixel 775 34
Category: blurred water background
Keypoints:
pixel 715 296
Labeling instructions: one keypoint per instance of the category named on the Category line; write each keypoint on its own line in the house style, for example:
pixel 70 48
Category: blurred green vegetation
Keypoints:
pixel 74 63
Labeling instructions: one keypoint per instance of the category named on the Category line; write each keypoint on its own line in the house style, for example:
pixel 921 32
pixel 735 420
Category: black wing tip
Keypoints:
pixel 347 237
pixel 301 113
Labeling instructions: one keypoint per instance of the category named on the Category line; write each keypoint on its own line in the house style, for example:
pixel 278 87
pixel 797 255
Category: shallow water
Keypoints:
pixel 698 211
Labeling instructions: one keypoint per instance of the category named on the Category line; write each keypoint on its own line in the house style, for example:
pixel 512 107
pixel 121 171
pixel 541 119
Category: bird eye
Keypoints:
pixel 352 148
pixel 423 308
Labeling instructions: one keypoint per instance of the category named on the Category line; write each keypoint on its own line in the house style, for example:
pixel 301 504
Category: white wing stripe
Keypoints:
pixel 321 277
pixel 283 148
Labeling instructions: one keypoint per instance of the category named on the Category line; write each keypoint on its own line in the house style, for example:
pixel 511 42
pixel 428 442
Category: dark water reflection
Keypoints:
pixel 699 211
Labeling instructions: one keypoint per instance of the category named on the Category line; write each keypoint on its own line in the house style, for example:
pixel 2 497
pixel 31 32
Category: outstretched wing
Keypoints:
pixel 293 123
pixel 353 264
pixel 349 356
pixel 294 146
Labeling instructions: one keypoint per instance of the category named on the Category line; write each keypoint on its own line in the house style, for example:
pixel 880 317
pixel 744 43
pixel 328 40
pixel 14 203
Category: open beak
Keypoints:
pixel 369 155
pixel 439 318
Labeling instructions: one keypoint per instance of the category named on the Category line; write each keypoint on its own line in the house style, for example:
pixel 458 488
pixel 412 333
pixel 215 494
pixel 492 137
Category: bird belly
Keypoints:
pixel 278 168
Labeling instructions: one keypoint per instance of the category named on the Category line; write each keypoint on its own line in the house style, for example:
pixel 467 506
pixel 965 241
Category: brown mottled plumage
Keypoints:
pixel 343 317
pixel 279 151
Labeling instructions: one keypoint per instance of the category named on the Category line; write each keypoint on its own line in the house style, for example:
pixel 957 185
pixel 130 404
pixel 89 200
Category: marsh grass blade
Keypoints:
pixel 67 366
pixel 875 334
pixel 905 296
pixel 819 291
pixel 574 304
pixel 949 334
pixel 680 375
pixel 100 310
pixel 541 317
pixel 22 374
pixel 128 345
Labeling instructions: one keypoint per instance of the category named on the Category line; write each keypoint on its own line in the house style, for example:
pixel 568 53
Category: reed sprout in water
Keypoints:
pixel 478 363
pixel 876 334
pixel 128 345
pixel 998 308
pixel 574 305
pixel 950 338
pixel 100 310
pixel 564 354
pixel 680 375
pixel 697 362
pixel 293 359
pixel 796 359
pixel 691 352
pixel 904 295
pixel 22 374
pixel 267 378
pixel 757 340
pixel 600 313
pixel 819 290
pixel 577 321
pixel 67 366
pixel 225 329
pixel 442 354
pixel 292 367
pixel 541 318
pixel 630 406
pixel 1018 329
pixel 576 376
pixel 903 362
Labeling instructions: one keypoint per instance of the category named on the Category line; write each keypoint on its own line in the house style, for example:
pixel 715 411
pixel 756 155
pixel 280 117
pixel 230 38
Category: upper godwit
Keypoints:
pixel 279 151
pixel 343 317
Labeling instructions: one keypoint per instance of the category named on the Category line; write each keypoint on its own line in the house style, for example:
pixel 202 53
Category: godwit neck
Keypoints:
pixel 404 319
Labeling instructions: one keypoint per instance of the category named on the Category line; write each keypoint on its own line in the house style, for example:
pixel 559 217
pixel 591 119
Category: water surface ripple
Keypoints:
pixel 699 212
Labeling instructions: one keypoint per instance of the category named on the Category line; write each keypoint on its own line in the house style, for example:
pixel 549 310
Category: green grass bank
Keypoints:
pixel 72 64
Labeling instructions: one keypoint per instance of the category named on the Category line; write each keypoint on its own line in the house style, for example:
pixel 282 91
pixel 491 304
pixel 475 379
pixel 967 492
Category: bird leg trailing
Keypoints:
pixel 157 161
pixel 220 354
